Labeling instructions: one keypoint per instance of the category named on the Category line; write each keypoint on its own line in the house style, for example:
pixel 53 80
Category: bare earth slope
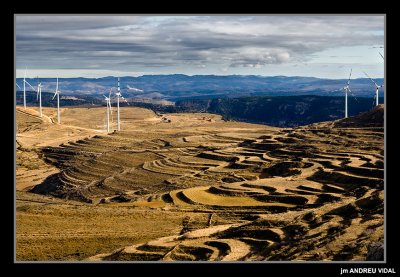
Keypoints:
pixel 194 187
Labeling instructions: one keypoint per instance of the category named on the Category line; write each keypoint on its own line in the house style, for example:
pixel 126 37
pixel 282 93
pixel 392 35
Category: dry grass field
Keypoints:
pixel 190 187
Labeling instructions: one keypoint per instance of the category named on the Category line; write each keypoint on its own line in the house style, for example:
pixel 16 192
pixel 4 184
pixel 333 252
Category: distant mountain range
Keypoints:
pixel 178 86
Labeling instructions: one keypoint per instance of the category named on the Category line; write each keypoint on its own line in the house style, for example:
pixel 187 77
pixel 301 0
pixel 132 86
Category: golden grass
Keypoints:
pixel 57 230
pixel 54 229
pixel 201 196
pixel 149 204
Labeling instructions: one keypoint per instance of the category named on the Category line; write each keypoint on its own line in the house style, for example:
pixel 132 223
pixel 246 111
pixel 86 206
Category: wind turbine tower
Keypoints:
pixel 26 82
pixel 58 102
pixel 118 94
pixel 24 90
pixel 108 100
pixel 346 91
pixel 39 93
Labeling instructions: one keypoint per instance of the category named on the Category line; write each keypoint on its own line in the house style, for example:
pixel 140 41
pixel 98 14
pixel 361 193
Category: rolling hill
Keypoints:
pixel 193 187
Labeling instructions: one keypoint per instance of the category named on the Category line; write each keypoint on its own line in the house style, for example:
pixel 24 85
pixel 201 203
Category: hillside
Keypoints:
pixel 193 187
pixel 372 118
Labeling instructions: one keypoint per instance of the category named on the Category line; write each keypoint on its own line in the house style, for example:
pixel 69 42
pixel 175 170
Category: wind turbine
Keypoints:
pixel 346 90
pixel 381 56
pixel 26 82
pixel 39 94
pixel 24 90
pixel 58 102
pixel 108 100
pixel 376 89
pixel 118 94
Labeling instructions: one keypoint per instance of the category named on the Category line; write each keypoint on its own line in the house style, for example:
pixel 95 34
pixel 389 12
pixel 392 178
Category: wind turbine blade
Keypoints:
pixel 348 82
pixel 110 107
pixel 381 56
pixel 367 75
pixel 56 90
pixel 371 79
pixel 125 100
pixel 352 94
pixel 30 85
pixel 18 86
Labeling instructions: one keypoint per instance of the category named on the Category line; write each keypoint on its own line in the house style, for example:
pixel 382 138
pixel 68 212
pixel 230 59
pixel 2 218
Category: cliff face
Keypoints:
pixel 280 111
pixel 195 105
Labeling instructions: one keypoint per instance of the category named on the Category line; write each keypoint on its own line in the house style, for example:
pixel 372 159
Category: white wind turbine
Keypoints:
pixel 346 90
pixel 58 102
pixel 376 89
pixel 108 100
pixel 118 94
pixel 24 90
pixel 26 82
pixel 39 94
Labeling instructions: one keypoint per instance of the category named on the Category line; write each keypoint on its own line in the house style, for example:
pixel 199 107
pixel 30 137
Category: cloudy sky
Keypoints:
pixel 324 46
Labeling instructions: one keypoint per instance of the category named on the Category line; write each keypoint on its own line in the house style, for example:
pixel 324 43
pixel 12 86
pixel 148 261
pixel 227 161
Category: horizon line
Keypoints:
pixel 188 75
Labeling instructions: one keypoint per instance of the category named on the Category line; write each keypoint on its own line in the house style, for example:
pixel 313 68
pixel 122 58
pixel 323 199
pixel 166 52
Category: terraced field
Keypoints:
pixel 307 193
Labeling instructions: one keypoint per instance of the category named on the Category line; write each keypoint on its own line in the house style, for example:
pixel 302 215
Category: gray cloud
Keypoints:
pixel 146 42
